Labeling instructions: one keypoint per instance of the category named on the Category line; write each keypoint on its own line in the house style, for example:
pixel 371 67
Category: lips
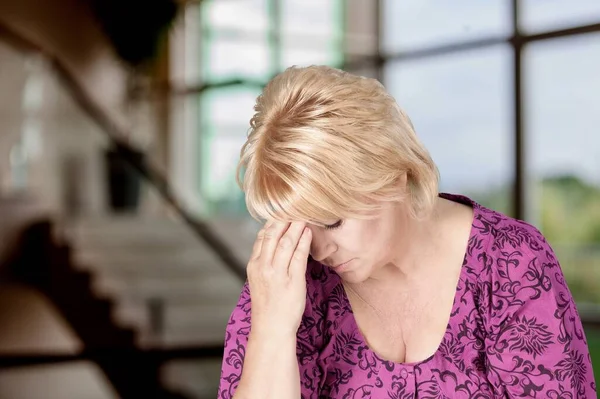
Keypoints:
pixel 340 265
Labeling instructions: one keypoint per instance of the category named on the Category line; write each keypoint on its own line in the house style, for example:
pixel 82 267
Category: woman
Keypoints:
pixel 407 293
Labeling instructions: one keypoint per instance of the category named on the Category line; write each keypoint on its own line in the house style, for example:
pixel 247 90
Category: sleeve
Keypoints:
pixel 535 343
pixel 236 339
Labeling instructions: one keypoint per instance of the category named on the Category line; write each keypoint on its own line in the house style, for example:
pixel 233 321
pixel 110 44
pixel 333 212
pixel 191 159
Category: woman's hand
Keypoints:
pixel 276 277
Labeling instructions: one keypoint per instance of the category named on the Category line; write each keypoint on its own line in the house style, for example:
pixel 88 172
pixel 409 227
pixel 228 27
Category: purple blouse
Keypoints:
pixel 513 332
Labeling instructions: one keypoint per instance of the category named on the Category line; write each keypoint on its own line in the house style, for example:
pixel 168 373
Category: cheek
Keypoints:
pixel 379 236
pixel 364 236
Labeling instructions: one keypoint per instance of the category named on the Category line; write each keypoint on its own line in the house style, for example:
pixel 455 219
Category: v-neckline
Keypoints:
pixel 462 276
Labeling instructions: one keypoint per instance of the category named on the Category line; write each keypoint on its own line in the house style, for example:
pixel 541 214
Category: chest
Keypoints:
pixel 408 327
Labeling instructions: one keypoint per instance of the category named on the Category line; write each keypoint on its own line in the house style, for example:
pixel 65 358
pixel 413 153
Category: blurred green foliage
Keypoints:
pixel 567 211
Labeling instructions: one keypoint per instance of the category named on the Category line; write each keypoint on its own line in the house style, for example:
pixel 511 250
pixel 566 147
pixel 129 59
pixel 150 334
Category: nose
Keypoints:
pixel 321 247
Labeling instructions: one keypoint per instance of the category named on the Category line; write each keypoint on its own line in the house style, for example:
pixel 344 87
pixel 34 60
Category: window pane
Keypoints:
pixel 311 32
pixel 316 17
pixel 225 118
pixel 229 106
pixel 542 15
pixel 225 58
pixel 241 15
pixel 414 23
pixel 460 107
pixel 563 86
pixel 321 52
pixel 221 153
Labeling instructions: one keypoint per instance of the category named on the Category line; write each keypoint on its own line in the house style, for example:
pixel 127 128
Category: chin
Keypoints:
pixel 354 276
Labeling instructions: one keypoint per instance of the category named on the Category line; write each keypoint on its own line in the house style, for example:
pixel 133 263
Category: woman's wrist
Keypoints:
pixel 273 335
pixel 267 342
pixel 269 358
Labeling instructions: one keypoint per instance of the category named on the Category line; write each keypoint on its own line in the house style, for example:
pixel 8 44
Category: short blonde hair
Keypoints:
pixel 325 145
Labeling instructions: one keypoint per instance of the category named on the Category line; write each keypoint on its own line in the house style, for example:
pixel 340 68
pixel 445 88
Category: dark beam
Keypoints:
pixel 519 189
pixel 114 354
pixel 491 41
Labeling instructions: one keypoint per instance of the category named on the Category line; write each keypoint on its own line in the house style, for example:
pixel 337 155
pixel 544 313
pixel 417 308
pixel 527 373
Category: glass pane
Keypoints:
pixel 315 17
pixel 226 115
pixel 241 15
pixel 542 15
pixel 222 153
pixel 229 106
pixel 563 87
pixel 226 58
pixel 322 52
pixel 413 23
pixel 460 108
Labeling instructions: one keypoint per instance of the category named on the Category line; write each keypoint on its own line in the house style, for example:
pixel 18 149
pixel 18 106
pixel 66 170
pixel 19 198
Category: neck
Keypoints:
pixel 418 243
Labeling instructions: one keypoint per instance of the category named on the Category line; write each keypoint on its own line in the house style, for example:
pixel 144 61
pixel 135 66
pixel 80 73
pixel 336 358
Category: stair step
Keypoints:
pixel 212 288
pixel 179 315
pixel 139 260
pixel 177 339
pixel 125 231
pixel 197 378
pixel 190 324
pixel 156 270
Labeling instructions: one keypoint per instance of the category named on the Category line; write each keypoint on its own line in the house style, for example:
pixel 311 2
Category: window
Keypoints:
pixel 411 24
pixel 320 15
pixel 226 115
pixel 229 58
pixel 563 86
pixel 460 107
pixel 543 15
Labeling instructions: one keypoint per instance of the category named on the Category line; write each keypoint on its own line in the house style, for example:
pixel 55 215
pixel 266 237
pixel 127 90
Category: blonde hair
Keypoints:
pixel 325 145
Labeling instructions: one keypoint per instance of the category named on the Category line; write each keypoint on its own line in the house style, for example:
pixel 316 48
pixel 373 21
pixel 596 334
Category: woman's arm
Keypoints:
pixel 270 369
pixel 535 346
pixel 260 359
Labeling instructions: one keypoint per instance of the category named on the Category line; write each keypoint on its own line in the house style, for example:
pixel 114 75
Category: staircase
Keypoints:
pixel 166 285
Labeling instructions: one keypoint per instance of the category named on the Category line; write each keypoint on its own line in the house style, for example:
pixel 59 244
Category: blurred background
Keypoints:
pixel 123 236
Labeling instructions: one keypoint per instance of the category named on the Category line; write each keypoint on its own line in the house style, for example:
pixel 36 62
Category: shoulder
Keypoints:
pixel 509 234
pixel 515 266
pixel 495 234
pixel 499 239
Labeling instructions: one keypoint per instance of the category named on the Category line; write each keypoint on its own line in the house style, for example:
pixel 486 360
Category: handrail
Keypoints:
pixel 115 135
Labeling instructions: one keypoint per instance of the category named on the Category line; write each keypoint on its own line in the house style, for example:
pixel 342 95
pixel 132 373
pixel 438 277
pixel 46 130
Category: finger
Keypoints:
pixel 256 248
pixel 271 239
pixel 287 245
pixel 257 244
pixel 300 256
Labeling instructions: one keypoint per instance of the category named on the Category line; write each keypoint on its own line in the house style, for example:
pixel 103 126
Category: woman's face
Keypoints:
pixel 356 249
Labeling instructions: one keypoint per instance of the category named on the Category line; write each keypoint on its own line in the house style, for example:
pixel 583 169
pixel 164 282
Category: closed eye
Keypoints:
pixel 334 226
